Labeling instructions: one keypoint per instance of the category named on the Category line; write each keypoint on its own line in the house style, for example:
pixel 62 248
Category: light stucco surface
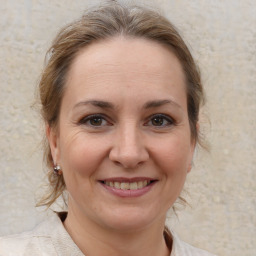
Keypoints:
pixel 222 187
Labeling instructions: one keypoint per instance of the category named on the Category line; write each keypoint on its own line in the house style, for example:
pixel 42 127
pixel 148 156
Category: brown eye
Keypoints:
pixel 157 121
pixel 160 120
pixel 95 121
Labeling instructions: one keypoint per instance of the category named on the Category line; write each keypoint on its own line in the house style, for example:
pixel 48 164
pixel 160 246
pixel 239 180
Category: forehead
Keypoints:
pixel 122 65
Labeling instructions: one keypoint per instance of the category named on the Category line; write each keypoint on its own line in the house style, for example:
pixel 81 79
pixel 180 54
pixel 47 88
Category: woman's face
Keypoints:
pixel 124 140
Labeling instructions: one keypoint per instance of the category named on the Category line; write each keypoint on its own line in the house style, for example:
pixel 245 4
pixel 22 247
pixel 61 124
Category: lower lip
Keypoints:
pixel 130 192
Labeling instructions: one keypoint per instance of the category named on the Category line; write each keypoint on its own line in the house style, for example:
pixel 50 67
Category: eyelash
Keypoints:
pixel 165 119
pixel 85 120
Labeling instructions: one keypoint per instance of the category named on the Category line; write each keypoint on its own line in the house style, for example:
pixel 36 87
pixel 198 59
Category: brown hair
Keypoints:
pixel 103 22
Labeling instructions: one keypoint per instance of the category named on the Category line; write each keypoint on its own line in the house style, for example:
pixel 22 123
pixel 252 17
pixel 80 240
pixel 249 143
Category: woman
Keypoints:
pixel 120 99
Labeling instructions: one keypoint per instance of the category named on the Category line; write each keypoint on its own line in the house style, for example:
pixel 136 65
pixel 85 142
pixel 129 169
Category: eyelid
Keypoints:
pixel 87 118
pixel 83 121
pixel 171 121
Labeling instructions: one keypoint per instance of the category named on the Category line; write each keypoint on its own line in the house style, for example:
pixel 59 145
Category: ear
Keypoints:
pixel 52 137
pixel 193 149
pixel 192 153
pixel 189 167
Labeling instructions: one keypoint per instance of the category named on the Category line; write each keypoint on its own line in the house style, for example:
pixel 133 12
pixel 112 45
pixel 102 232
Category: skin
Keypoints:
pixel 136 79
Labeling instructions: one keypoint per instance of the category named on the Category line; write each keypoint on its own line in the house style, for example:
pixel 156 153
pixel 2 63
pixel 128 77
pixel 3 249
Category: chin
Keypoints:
pixel 131 219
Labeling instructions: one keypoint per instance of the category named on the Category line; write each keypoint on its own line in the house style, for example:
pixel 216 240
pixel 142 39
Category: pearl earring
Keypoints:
pixel 57 170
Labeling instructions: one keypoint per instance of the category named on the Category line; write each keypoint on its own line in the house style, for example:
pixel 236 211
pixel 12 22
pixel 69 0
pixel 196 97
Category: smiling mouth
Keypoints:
pixel 128 185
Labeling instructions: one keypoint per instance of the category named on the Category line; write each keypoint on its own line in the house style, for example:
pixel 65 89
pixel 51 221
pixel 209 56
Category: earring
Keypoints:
pixel 57 170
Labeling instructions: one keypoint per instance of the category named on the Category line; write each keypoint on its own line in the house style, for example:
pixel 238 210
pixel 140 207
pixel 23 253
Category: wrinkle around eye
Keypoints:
pixel 72 137
pixel 165 121
pixel 100 120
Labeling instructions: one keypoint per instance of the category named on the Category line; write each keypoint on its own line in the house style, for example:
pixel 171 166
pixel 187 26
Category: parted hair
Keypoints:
pixel 106 21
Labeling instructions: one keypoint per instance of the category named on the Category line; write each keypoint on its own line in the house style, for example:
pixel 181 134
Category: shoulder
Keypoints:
pixel 21 245
pixel 35 242
pixel 181 248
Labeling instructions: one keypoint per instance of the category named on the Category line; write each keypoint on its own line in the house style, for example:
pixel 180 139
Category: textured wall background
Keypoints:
pixel 222 36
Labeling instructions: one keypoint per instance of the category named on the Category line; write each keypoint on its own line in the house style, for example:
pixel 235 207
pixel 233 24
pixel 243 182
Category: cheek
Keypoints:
pixel 80 157
pixel 174 156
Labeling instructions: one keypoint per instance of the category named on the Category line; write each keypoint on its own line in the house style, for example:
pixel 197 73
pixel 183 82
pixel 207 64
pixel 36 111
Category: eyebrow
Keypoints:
pixel 159 103
pixel 108 105
pixel 96 103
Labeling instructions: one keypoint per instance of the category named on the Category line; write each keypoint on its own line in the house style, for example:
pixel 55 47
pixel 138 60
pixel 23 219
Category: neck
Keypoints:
pixel 92 239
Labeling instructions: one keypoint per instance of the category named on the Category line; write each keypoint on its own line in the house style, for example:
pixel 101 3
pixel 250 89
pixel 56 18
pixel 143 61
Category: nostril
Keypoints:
pixel 117 163
pixel 128 157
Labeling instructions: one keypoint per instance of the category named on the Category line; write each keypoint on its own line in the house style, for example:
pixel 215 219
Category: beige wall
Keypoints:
pixel 222 36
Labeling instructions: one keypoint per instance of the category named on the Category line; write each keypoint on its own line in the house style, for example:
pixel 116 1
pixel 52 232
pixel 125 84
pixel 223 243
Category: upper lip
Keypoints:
pixel 130 180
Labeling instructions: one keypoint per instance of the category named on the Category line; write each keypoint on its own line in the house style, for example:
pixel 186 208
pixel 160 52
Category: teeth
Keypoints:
pixel 117 184
pixel 133 185
pixel 127 185
pixel 140 184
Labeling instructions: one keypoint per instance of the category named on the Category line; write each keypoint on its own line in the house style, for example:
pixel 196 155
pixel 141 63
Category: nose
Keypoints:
pixel 128 148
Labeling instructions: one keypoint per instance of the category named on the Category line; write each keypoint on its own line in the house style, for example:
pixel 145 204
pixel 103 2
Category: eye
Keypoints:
pixel 160 120
pixel 94 121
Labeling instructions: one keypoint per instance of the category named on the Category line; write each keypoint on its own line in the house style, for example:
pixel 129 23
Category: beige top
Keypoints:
pixel 50 238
